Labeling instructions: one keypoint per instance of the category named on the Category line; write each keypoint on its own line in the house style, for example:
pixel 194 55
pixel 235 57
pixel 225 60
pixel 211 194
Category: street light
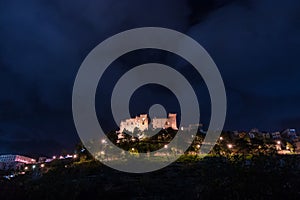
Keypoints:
pixel 229 146
pixel 278 142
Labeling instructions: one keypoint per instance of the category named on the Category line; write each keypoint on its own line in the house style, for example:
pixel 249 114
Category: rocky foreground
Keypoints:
pixel 190 178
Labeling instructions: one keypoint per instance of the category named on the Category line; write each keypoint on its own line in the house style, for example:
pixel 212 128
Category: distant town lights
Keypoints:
pixel 221 138
pixel 166 146
pixel 69 156
pixel 229 146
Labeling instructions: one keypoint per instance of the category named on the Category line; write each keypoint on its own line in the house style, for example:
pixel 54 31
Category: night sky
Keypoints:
pixel 255 44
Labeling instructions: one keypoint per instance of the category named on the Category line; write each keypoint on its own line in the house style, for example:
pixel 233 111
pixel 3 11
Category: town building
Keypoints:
pixel 8 162
pixel 289 133
pixel 276 135
pixel 192 127
pixel 266 135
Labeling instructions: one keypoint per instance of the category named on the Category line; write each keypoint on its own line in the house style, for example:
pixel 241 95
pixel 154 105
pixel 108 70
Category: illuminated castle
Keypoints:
pixel 164 123
pixel 142 123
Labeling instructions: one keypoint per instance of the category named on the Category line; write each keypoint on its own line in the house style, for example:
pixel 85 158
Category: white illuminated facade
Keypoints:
pixel 141 123
pixel 14 161
pixel 164 123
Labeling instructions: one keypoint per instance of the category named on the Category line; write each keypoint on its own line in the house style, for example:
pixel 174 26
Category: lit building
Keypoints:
pixel 254 133
pixel 289 133
pixel 14 161
pixel 276 135
pixel 142 123
pixel 139 122
pixel 266 135
pixel 170 122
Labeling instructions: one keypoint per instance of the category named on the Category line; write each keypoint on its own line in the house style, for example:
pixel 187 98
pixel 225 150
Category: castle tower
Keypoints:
pixel 165 123
pixel 142 122
pixel 171 121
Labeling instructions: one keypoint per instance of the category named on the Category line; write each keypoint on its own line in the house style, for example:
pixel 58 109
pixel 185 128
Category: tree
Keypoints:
pixel 112 136
pixel 82 152
pixel 290 147
pixel 243 146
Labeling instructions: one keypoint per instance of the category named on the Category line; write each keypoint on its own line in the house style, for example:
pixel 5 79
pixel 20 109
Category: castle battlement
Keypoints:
pixel 141 122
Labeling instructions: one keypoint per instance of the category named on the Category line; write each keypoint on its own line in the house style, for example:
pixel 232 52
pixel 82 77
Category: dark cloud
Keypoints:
pixel 25 147
pixel 43 45
pixel 255 44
